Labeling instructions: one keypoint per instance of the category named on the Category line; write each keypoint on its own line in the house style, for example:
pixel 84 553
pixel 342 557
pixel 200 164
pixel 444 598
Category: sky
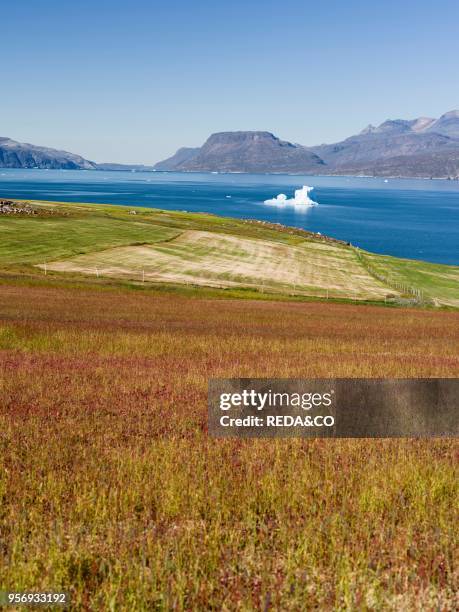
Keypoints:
pixel 132 82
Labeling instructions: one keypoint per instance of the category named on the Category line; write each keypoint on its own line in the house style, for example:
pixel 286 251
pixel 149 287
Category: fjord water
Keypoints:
pixel 417 219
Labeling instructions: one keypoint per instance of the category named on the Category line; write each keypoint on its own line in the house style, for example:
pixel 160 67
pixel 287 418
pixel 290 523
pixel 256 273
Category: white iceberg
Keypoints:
pixel 300 200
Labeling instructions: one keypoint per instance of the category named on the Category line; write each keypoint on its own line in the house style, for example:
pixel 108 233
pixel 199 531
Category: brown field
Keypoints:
pixel 111 488
pixel 223 260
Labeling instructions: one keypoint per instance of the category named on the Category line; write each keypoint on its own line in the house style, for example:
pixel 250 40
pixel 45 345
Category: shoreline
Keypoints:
pixel 232 173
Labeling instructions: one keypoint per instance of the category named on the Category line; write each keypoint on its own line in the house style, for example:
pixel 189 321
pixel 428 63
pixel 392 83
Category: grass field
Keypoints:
pixel 111 488
pixel 439 283
pixel 203 250
pixel 222 260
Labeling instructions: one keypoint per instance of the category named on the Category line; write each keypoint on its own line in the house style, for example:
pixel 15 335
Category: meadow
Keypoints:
pixel 111 487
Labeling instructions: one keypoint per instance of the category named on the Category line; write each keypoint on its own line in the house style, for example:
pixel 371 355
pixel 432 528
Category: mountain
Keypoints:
pixel 422 147
pixel 431 164
pixel 378 145
pixel 182 156
pixel 448 124
pixel 23 155
pixel 244 152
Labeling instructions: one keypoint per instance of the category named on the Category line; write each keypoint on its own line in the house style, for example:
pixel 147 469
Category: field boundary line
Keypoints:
pixel 418 296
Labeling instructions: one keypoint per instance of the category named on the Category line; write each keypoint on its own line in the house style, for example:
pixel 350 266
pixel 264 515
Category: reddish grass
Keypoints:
pixel 111 487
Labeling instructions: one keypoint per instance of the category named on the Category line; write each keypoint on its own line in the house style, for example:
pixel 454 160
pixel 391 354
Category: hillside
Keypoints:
pixel 166 248
pixel 422 147
pixel 244 152
pixel 23 155
pixel 15 154
pixel 179 159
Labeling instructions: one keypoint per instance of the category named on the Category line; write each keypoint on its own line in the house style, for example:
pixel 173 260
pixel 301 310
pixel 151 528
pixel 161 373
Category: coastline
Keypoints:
pixel 240 172
pixel 372 176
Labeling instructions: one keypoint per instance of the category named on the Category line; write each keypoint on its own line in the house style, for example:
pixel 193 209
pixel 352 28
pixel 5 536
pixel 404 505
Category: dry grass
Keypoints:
pixel 111 488
pixel 223 260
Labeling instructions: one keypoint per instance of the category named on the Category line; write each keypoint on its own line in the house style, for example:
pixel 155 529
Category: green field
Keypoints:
pixel 176 248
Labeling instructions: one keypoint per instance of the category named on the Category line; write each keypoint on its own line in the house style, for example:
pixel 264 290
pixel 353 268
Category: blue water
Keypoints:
pixel 418 219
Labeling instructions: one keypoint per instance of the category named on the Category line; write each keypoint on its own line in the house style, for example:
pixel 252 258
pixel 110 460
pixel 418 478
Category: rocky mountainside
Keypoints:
pixel 422 147
pixel 180 158
pixel 244 152
pixel 448 124
pixel 23 155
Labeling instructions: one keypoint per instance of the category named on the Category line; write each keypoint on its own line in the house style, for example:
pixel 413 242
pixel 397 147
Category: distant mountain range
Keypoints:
pixel 422 147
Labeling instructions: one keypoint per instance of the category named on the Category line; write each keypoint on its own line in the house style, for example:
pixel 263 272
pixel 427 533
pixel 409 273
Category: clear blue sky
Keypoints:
pixel 133 81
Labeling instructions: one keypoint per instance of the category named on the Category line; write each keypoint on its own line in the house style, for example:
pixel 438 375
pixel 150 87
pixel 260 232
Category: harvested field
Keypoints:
pixel 222 260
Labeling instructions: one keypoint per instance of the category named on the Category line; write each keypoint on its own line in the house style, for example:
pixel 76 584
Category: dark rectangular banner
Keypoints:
pixel 333 408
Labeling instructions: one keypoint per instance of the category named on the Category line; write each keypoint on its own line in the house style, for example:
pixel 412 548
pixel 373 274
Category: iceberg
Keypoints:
pixel 301 199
